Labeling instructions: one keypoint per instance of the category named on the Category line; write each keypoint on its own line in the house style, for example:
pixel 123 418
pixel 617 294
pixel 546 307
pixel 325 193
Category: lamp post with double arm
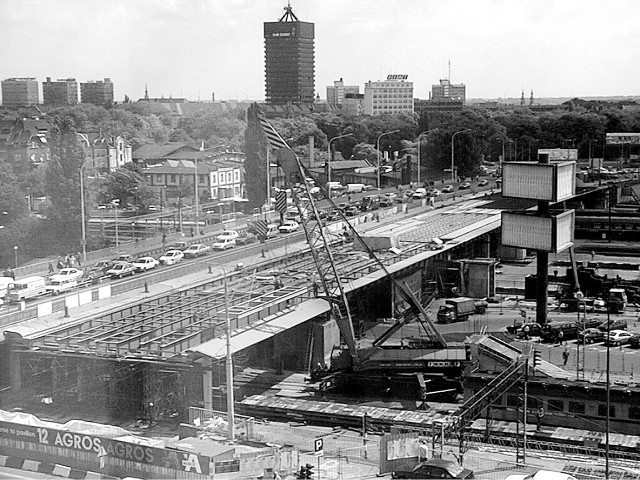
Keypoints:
pixel 453 165
pixel 378 152
pixel 425 133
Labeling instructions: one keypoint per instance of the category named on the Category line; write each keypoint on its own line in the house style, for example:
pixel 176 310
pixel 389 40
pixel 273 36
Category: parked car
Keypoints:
pixel 224 243
pixel 289 226
pixel 96 275
pixel 590 335
pixel 228 235
pixel 121 269
pixel 351 211
pixel 434 468
pixel 420 193
pixel 69 273
pixel 617 337
pixel 464 186
pixel 246 238
pixel 171 257
pixel 178 246
pixel 197 250
pixel 634 341
pixel 103 265
pixel 483 183
pixel 143 264
pixel 435 193
pixel 124 257
pixel 613 324
pixel 447 189
pixel 57 287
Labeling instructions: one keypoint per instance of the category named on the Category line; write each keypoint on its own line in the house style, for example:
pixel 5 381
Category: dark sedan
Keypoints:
pixel 434 468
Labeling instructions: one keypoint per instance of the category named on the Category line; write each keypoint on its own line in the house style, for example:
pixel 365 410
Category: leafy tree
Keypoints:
pixel 128 187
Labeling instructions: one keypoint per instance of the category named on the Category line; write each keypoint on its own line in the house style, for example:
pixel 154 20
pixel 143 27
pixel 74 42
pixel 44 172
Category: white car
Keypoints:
pixel 224 243
pixel 228 235
pixel 121 269
pixel 171 257
pixel 69 273
pixel 447 189
pixel 56 287
pixel 196 250
pixel 143 264
pixel 617 337
pixel 420 193
pixel 288 226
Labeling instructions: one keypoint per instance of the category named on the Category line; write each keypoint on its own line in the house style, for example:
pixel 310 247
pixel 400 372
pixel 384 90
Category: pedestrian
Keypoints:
pixel 315 289
pixel 60 264
pixel 539 415
pixel 51 270
pixel 525 330
pixel 78 259
pixel 66 261
pixel 72 260
pixel 559 339
pixel 565 356
pixel 593 256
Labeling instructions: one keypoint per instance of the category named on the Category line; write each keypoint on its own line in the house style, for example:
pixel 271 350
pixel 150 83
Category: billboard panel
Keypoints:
pixel 553 233
pixel 623 138
pixel 527 231
pixel 552 182
pixel 557 154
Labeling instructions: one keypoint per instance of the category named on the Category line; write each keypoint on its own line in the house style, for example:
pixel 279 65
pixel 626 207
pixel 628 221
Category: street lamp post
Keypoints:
pixel 427 132
pixel 229 364
pixel 453 168
pixel 82 211
pixel 195 201
pixel 117 239
pixel 330 157
pixel 15 254
pixel 378 151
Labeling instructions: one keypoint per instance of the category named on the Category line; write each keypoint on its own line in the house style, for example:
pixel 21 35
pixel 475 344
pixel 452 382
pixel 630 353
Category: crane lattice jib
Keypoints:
pixel 319 241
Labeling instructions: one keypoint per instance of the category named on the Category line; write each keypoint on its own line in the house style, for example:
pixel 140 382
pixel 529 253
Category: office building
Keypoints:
pixel 20 92
pixel 289 60
pixel 446 89
pixel 388 97
pixel 98 93
pixel 339 91
pixel 61 92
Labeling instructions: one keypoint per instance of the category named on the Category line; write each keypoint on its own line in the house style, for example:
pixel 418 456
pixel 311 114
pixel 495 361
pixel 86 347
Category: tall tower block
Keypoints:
pixel 289 60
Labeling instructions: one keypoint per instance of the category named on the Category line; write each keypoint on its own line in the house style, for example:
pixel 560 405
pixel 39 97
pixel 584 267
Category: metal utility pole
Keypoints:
pixel 378 152
pixel 230 400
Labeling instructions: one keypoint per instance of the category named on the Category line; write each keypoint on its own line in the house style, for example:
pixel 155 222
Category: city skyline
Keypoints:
pixel 193 48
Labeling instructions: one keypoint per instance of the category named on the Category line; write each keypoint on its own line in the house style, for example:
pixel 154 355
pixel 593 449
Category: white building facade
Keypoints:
pixel 388 97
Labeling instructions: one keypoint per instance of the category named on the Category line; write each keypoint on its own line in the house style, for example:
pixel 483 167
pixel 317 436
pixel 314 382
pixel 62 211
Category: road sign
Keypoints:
pixel 261 228
pixel 318 445
pixel 281 202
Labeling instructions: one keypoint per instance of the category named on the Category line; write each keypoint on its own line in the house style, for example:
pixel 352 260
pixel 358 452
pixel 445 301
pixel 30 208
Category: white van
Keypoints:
pixel 4 288
pixel 26 288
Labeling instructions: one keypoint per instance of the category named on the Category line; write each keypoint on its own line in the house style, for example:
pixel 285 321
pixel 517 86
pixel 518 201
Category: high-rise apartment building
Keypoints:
pixel 391 96
pixel 338 92
pixel 20 92
pixel 289 60
pixel 61 92
pixel 98 93
pixel 446 89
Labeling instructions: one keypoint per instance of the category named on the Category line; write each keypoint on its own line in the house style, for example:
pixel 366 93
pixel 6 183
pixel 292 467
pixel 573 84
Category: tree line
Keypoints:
pixel 485 135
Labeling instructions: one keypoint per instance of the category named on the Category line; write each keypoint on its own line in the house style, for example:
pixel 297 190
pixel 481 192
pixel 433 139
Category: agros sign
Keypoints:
pixel 187 462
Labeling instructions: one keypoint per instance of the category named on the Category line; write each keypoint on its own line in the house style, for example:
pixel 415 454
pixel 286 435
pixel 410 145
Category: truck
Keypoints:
pixel 459 309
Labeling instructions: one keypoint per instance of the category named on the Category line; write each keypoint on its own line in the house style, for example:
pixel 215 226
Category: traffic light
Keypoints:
pixel 306 471
pixel 537 358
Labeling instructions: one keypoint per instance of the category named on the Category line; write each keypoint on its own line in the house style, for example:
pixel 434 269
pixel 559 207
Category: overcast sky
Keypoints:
pixel 191 48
